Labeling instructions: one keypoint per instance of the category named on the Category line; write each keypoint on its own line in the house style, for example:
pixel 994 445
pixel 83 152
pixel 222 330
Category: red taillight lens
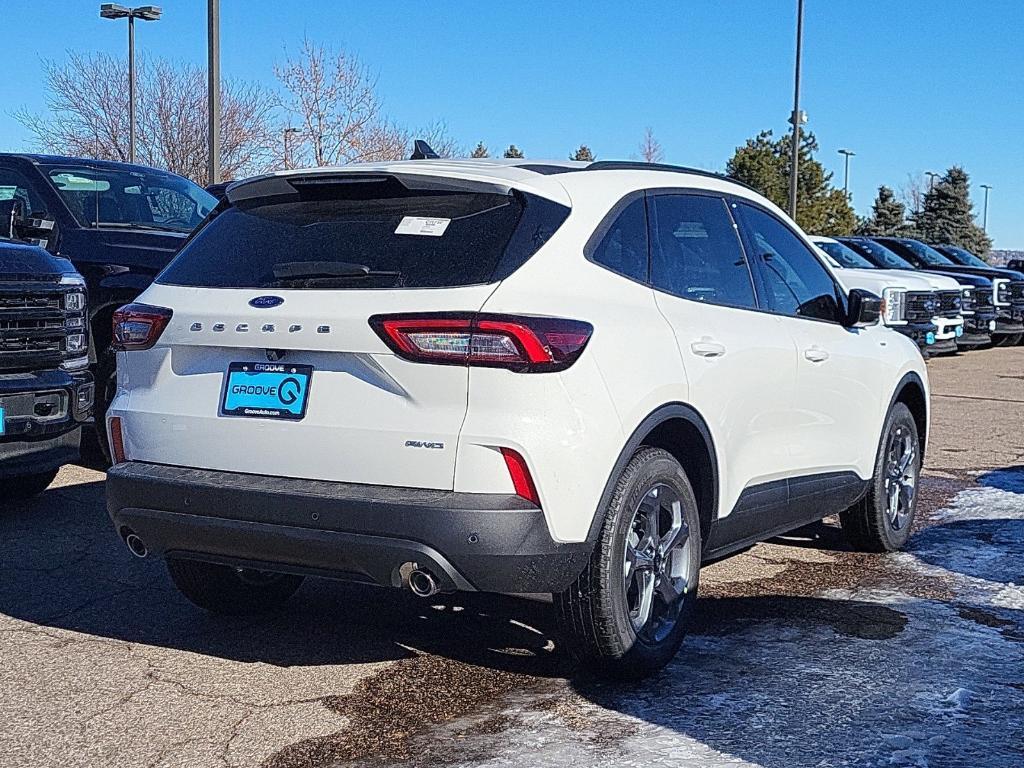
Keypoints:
pixel 116 439
pixel 532 344
pixel 138 326
pixel 522 481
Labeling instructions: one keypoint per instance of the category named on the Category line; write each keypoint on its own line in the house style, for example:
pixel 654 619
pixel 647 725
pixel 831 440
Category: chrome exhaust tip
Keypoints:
pixel 423 584
pixel 136 545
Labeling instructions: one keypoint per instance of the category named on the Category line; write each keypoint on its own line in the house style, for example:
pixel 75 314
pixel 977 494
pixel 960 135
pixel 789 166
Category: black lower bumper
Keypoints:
pixel 942 347
pixel 470 541
pixel 918 333
pixel 42 416
pixel 30 457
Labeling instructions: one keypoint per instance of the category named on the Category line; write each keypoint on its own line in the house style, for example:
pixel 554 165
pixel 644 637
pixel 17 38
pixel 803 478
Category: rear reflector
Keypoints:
pixel 138 326
pixel 116 439
pixel 525 344
pixel 522 481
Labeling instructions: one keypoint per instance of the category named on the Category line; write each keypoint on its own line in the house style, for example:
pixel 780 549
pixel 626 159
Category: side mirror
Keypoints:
pixel 11 214
pixel 1017 264
pixel 864 309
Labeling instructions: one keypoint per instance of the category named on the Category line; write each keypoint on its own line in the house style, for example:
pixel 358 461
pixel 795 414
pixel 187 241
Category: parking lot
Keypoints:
pixel 805 654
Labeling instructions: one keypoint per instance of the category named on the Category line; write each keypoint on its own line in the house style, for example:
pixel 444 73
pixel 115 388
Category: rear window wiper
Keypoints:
pixel 306 270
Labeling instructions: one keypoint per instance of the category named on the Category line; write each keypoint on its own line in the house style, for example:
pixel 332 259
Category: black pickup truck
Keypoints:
pixel 1009 284
pixel 46 390
pixel 118 224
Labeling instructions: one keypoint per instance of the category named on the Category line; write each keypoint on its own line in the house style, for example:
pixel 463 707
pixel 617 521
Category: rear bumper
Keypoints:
pixel 470 541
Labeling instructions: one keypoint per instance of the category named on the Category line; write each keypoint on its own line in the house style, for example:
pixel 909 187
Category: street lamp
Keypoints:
pixel 146 13
pixel 797 117
pixel 846 172
pixel 984 216
pixel 932 176
pixel 289 131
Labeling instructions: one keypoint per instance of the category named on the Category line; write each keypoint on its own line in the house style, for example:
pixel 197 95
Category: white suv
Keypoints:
pixel 566 378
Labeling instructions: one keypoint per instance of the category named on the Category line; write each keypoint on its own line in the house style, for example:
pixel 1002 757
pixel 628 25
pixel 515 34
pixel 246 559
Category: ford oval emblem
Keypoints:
pixel 266 302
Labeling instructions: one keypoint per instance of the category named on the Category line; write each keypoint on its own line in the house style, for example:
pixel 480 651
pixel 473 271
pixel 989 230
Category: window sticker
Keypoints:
pixel 416 225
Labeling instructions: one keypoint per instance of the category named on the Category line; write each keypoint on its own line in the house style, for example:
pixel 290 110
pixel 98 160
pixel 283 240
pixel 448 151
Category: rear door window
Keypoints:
pixel 696 252
pixel 366 235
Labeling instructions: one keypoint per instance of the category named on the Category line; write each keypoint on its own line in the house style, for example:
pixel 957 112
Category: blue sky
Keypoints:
pixel 910 86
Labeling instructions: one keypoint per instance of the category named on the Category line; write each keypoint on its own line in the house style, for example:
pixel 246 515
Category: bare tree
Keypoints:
pixel 650 148
pixel 87 116
pixel 912 192
pixel 341 115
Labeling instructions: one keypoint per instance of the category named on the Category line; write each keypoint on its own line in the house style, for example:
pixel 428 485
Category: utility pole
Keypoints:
pixel 213 90
pixel 846 172
pixel 797 117
pixel 984 218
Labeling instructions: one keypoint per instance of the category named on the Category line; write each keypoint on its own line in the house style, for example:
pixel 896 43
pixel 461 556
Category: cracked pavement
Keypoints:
pixel 804 654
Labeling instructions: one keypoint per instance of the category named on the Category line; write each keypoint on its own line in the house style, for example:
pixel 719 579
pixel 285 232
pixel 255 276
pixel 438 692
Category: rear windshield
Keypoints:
pixel 366 236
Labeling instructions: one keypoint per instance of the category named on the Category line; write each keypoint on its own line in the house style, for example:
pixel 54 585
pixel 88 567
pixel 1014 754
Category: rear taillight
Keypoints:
pixel 116 439
pixel 138 326
pixel 532 344
pixel 522 481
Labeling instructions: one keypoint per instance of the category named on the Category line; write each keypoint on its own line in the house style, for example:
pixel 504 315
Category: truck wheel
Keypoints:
pixel 106 388
pixel 881 521
pixel 1008 340
pixel 27 486
pixel 628 611
pixel 231 591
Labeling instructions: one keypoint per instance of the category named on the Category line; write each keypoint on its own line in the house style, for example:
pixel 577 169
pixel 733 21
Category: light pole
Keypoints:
pixel 146 13
pixel 846 172
pixel 289 131
pixel 797 117
pixel 213 91
pixel 984 216
pixel 932 176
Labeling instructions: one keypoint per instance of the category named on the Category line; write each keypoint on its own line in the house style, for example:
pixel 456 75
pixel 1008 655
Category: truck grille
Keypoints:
pixel 34 325
pixel 984 299
pixel 922 306
pixel 950 303
pixel 1017 292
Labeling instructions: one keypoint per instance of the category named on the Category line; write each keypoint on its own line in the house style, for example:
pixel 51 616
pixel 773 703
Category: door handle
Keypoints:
pixel 707 348
pixel 816 354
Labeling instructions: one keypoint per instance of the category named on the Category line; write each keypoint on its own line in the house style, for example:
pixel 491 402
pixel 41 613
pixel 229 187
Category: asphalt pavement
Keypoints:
pixel 804 654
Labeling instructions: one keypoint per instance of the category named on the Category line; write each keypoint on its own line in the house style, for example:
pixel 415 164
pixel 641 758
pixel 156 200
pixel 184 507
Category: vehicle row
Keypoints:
pixel 944 297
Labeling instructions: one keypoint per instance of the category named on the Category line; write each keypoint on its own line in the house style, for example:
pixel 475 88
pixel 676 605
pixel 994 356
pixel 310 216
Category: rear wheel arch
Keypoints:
pixel 682 431
pixel 911 392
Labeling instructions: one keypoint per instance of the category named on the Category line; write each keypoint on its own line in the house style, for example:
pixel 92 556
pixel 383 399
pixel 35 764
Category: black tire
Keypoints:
pixel 231 591
pixel 27 486
pixel 106 387
pixel 871 525
pixel 594 613
pixel 1008 340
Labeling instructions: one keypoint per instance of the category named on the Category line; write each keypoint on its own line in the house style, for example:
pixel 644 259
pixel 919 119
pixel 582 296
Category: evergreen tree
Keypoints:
pixel 583 153
pixel 764 164
pixel 513 152
pixel 948 216
pixel 480 151
pixel 888 217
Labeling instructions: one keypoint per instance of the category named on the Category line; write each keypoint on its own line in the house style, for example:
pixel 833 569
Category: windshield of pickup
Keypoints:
pixel 844 255
pixel 964 257
pixel 114 198
pixel 879 254
pixel 927 254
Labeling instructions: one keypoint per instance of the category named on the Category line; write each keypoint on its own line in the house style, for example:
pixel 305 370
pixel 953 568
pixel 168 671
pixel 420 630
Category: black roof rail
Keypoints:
pixel 635 165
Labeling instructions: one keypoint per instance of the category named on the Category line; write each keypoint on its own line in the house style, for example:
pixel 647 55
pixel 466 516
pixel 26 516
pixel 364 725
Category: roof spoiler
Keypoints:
pixel 422 151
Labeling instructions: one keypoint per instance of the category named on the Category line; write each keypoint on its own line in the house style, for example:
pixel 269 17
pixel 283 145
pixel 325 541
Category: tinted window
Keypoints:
pixel 696 252
pixel 918 253
pixel 962 256
pixel 797 282
pixel 366 235
pixel 845 256
pixel 623 247
pixel 130 198
pixel 14 185
pixel 878 254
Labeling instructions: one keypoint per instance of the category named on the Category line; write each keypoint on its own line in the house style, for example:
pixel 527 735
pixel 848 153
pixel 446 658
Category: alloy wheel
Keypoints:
pixel 900 477
pixel 657 563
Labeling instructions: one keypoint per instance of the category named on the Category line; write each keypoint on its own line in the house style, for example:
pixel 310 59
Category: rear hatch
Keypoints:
pixel 269 364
